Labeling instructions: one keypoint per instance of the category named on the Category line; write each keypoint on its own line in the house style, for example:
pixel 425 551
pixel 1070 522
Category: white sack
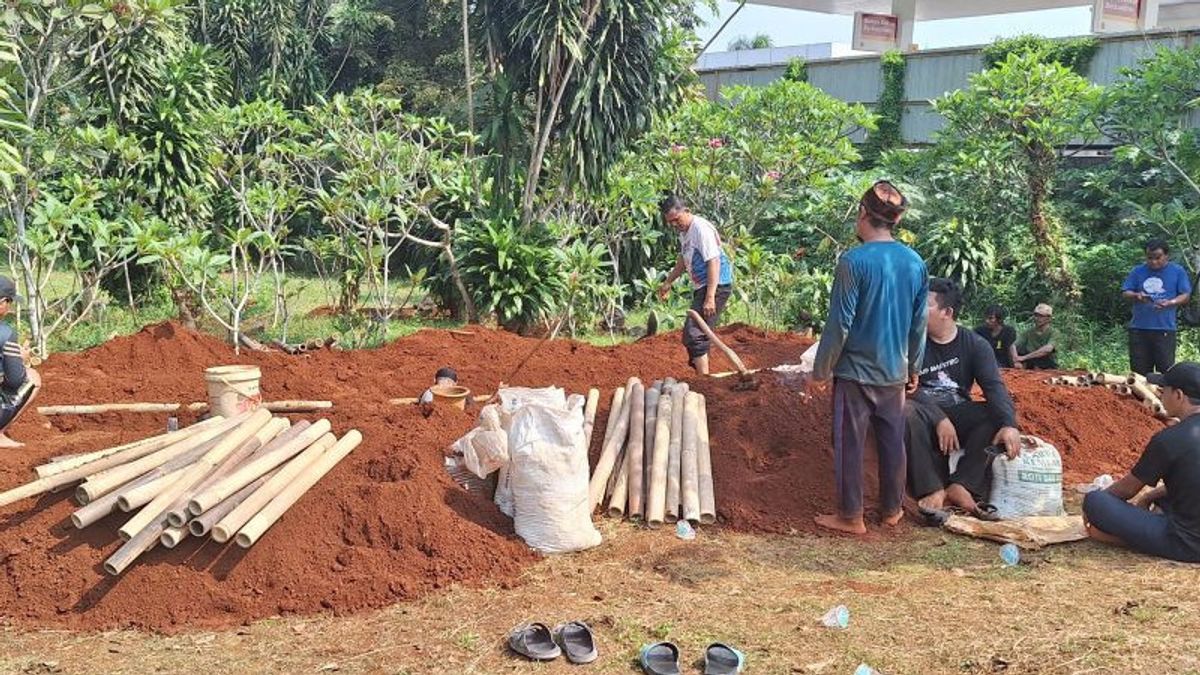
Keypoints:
pixel 1031 484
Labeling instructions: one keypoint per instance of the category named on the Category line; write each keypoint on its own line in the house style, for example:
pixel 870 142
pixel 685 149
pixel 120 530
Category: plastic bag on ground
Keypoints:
pixel 485 448
pixel 1031 484
pixel 548 472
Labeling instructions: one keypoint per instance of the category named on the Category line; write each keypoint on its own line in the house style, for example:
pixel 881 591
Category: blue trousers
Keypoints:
pixel 854 407
pixel 1141 530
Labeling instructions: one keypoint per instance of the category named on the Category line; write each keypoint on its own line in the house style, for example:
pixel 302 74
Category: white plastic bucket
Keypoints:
pixel 233 389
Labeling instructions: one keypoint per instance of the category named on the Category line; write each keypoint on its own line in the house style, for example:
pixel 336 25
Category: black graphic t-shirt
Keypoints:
pixel 950 370
pixel 1000 343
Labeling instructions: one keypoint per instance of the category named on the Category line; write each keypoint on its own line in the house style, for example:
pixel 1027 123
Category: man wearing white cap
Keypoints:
pixel 1035 347
pixel 18 383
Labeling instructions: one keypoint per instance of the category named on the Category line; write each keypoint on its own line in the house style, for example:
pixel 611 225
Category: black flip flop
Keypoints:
pixel 534 642
pixel 985 511
pixel 577 641
pixel 720 659
pixel 933 517
pixel 661 658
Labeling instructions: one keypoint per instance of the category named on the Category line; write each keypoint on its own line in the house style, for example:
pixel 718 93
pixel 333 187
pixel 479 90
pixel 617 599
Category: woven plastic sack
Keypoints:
pixel 548 471
pixel 1031 484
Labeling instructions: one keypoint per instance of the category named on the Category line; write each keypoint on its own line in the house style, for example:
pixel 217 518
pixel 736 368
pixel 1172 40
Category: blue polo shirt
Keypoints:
pixel 1169 282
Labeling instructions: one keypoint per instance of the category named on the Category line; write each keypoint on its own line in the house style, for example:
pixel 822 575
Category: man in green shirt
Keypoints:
pixel 1035 347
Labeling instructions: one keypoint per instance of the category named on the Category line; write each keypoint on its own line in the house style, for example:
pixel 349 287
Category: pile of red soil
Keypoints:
pixel 388 524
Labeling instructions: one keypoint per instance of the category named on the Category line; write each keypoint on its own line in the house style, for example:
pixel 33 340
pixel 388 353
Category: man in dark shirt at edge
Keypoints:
pixel 18 383
pixel 941 417
pixel 1001 337
pixel 1121 514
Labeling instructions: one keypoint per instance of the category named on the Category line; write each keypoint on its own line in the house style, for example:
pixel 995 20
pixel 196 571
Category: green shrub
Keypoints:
pixel 511 271
pixel 1102 268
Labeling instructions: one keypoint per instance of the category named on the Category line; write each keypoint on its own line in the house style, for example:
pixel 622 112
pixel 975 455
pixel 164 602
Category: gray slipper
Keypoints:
pixel 660 658
pixel 577 641
pixel 534 641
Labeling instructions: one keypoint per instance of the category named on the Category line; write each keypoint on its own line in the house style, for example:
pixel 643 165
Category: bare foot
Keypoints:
pixel 839 524
pixel 8 443
pixel 894 519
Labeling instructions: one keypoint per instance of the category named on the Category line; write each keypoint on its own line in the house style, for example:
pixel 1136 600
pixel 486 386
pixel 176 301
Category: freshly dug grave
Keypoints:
pixel 388 524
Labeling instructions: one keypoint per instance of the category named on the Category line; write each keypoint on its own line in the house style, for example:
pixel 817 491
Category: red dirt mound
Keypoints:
pixel 388 524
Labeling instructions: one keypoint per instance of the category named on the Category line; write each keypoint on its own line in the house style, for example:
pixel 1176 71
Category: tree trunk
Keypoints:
pixel 468 303
pixel 183 309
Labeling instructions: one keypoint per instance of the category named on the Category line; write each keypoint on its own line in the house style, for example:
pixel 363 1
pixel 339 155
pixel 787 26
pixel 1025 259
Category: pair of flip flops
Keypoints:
pixel 662 658
pixel 535 641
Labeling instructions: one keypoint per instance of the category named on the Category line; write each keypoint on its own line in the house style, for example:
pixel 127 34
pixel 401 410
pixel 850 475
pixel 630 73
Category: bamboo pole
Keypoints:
pixel 678 397
pixel 75 461
pixel 708 499
pixel 1108 378
pixel 70 476
pixel 1142 391
pixel 656 495
pixel 227 527
pixel 177 515
pixel 634 450
pixel 614 408
pixel 141 495
pixel 139 543
pixel 96 409
pixel 689 472
pixel 612 448
pixel 107 480
pixel 589 416
pixel 1135 378
pixel 620 491
pixel 203 523
pixel 651 415
pixel 156 510
pixel 221 489
pixel 270 513
pixel 171 536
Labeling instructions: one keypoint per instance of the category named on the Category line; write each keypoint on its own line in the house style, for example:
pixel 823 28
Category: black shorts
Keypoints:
pixel 11 404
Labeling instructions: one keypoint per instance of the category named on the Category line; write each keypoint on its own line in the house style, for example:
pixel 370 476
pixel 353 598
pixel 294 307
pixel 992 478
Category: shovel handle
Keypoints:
pixel 737 362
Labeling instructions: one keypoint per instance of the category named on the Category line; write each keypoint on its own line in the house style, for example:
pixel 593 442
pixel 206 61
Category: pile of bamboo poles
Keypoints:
pixel 200 406
pixel 656 462
pixel 1133 384
pixel 231 478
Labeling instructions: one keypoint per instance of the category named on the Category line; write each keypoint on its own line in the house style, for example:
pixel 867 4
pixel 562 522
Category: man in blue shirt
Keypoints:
pixel 1156 288
pixel 701 255
pixel 873 343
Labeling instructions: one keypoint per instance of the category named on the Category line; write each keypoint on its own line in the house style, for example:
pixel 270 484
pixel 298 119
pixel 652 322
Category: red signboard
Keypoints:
pixel 1122 9
pixel 881 27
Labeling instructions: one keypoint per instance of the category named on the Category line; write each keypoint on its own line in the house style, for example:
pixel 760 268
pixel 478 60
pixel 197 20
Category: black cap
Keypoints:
pixel 1184 376
pixel 8 289
pixel 446 372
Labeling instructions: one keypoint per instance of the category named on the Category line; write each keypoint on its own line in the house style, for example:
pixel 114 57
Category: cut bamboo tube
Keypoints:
pixel 177 515
pixel 171 536
pixel 137 497
pixel 1123 389
pixel 1135 378
pixel 297 406
pixel 589 416
pixel 1142 391
pixel 70 476
pixel 228 526
pixel 142 541
pixel 634 450
pixel 203 523
pixel 708 498
pixel 614 408
pixel 651 415
pixel 608 456
pixel 98 408
pixel 105 481
pixel 283 501
pixel 243 475
pixel 620 491
pixel 156 510
pixel 678 397
pixel 64 464
pixel 656 494
pixel 1108 378
pixel 689 472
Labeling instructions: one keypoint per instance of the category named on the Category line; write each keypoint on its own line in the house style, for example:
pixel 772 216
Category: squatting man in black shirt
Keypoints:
pixel 941 418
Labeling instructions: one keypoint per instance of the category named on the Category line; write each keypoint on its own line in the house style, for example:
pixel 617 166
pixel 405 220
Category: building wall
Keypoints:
pixel 931 74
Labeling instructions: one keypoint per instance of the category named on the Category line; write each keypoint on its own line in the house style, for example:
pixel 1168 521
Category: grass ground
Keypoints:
pixel 921 602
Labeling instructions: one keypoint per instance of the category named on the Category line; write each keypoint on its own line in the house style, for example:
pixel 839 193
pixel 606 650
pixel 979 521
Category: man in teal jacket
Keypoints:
pixel 873 344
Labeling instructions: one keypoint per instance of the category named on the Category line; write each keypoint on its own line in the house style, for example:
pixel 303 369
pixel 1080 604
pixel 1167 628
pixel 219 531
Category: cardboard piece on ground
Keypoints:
pixel 1032 533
